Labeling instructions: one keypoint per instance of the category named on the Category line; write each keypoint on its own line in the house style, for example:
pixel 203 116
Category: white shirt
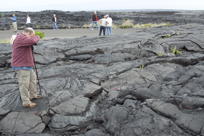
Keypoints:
pixel 103 22
pixel 28 20
pixel 109 21
pixel 55 18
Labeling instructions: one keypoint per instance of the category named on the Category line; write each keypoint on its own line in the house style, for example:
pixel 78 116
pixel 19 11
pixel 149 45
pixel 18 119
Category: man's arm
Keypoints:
pixel 28 41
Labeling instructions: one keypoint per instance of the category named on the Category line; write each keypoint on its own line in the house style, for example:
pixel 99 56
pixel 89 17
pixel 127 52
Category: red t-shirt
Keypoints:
pixel 22 55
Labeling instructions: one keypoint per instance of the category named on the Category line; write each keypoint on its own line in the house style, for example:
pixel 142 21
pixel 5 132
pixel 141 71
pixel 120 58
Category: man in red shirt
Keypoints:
pixel 23 63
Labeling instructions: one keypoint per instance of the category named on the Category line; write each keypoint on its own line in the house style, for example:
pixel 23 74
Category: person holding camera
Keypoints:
pixel 23 63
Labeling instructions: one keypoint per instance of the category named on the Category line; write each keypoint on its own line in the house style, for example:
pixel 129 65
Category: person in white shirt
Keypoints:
pixel 109 23
pixel 28 21
pixel 102 23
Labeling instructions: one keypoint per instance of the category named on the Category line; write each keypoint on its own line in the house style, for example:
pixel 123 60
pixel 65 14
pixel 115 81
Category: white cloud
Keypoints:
pixel 36 5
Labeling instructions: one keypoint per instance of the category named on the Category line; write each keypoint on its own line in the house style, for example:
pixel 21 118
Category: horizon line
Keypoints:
pixel 105 10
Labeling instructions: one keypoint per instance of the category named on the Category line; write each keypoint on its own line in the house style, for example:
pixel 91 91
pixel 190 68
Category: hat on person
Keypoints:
pixel 107 15
pixel 28 30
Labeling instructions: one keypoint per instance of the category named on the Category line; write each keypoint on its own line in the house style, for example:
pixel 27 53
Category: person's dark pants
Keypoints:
pixel 102 29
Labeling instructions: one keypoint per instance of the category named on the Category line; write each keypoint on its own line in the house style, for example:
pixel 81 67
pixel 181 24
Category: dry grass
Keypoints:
pixel 151 25
pixel 86 26
pixel 127 24
pixel 130 24
pixel 4 41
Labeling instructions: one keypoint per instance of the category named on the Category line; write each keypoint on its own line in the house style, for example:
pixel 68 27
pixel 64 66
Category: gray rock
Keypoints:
pixel 80 57
pixel 153 46
pixel 187 121
pixel 95 132
pixel 35 135
pixel 3 111
pixel 91 89
pixel 115 117
pixel 127 84
pixel 22 122
pixel 63 123
pixel 113 95
pixel 77 105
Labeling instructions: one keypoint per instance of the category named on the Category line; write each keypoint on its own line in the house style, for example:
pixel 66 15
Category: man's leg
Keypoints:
pixel 23 81
pixel 108 30
pixel 111 30
pixel 92 25
pixel 14 26
pixel 100 30
pixel 53 25
pixel 33 85
pixel 104 30
pixel 97 25
pixel 56 26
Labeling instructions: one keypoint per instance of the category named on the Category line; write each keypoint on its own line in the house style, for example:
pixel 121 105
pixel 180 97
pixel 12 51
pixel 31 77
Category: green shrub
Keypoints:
pixel 175 51
pixel 169 35
pixel 41 34
pixel 141 67
pixel 166 36
pixel 125 26
pixel 160 54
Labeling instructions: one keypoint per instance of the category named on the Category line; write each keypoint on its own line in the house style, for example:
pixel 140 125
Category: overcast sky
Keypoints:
pixel 79 5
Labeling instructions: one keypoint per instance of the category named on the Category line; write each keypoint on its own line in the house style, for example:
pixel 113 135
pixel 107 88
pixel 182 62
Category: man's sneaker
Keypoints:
pixel 30 105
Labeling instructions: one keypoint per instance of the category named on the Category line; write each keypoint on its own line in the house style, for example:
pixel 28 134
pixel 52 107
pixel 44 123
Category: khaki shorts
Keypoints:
pixel 27 85
pixel 15 28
